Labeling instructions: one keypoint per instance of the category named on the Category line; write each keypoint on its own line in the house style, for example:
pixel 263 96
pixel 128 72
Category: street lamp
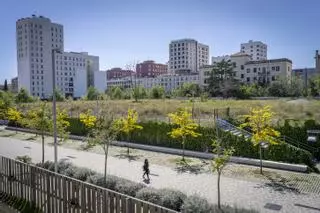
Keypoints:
pixel 262 145
pixel 54 109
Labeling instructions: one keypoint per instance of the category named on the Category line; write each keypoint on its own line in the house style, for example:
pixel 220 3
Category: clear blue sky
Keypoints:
pixel 134 30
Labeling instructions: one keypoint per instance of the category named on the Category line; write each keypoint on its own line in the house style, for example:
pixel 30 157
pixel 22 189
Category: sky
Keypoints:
pixel 122 32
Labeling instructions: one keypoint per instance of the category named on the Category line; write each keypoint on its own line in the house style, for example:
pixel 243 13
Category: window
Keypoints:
pixel 248 79
pixel 255 70
pixel 273 68
pixel 273 78
pixel 242 67
pixel 277 68
pixel 248 70
pixel 242 75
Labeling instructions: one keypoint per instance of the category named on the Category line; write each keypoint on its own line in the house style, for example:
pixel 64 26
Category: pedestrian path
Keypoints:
pixel 234 192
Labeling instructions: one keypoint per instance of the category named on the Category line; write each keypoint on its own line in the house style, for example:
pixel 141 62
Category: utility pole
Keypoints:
pixel 54 110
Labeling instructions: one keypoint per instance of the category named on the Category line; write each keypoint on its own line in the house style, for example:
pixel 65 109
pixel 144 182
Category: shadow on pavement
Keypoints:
pixel 31 138
pixel 183 167
pixel 279 184
pixel 129 157
pixel 308 207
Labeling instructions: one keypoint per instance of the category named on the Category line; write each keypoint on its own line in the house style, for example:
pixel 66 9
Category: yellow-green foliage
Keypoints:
pixel 260 122
pixel 129 123
pixel 14 115
pixel 87 119
pixel 186 127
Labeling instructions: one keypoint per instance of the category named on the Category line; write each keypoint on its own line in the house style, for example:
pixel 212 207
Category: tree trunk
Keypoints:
pixel 183 145
pixel 42 137
pixel 218 183
pixel 106 149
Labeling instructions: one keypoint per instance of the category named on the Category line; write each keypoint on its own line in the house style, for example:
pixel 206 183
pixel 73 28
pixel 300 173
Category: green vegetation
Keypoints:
pixel 168 198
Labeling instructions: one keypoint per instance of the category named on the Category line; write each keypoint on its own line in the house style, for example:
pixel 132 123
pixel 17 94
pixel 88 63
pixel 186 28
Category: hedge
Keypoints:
pixel 156 134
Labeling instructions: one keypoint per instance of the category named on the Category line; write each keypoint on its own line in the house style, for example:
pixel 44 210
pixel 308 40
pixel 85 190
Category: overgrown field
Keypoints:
pixel 299 109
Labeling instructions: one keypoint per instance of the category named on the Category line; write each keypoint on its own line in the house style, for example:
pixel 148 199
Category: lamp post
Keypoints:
pixel 262 145
pixel 54 110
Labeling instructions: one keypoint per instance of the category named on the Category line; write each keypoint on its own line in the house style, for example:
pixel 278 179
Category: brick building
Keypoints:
pixel 150 69
pixel 116 73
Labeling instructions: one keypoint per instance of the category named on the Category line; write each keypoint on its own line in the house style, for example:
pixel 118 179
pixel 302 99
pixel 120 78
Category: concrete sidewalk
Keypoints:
pixel 234 192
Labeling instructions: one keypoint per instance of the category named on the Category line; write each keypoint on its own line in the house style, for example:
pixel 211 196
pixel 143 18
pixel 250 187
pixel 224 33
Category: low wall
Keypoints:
pixel 203 155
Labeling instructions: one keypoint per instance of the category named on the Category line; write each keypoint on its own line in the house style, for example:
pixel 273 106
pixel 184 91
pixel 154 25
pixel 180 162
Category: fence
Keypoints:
pixel 55 193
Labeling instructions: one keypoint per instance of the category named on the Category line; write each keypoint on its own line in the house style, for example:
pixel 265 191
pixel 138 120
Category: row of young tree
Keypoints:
pixel 105 128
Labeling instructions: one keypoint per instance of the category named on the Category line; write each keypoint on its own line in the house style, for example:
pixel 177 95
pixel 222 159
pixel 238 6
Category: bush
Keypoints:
pixel 149 194
pixel 196 204
pixel 172 199
pixel 97 179
pixel 49 165
pixel 83 173
pixel 111 182
pixel 128 187
pixel 70 171
pixel 63 165
pixel 24 159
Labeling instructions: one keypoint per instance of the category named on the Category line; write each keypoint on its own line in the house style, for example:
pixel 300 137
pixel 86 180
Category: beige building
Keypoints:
pixel 248 71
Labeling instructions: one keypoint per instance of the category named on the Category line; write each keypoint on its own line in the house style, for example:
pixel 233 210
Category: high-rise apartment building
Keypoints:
pixel 150 69
pixel 37 39
pixel 257 50
pixel 187 56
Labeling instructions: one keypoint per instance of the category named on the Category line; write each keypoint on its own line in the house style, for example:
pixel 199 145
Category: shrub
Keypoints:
pixel 149 194
pixel 128 187
pixel 111 182
pixel 63 165
pixel 97 179
pixel 196 204
pixel 70 171
pixel 83 173
pixel 24 159
pixel 172 199
pixel 49 165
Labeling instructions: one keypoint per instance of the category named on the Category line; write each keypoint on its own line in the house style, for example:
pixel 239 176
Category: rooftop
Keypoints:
pixel 270 61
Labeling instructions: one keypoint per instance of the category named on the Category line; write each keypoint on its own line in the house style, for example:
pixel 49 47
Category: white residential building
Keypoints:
pixel 71 67
pixel 100 78
pixel 168 82
pixel 257 50
pixel 186 56
pixel 248 71
pixel 37 37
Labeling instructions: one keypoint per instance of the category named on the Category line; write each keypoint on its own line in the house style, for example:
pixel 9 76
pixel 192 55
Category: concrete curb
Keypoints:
pixel 203 155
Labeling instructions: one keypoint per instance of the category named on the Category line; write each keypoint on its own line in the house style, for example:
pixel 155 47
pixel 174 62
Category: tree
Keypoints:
pixel 92 94
pixel 40 119
pixel 314 86
pixel 23 96
pixel 220 161
pixel 6 101
pixel 59 95
pixel 221 72
pixel 62 124
pixel 14 116
pixel 260 122
pixel 103 132
pixel 279 89
pixel 138 92
pixel 128 124
pixel 186 127
pixel 157 92
pixel 5 86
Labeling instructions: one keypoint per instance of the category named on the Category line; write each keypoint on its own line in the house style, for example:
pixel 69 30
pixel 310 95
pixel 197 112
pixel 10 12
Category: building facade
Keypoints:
pixel 36 37
pixel 248 71
pixel 187 56
pixel 73 70
pixel 168 82
pixel 150 69
pixel 116 73
pixel 14 85
pixel 257 50
pixel 40 43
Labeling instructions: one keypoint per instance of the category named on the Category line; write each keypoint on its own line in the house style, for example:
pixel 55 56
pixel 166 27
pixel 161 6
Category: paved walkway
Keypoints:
pixel 234 192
